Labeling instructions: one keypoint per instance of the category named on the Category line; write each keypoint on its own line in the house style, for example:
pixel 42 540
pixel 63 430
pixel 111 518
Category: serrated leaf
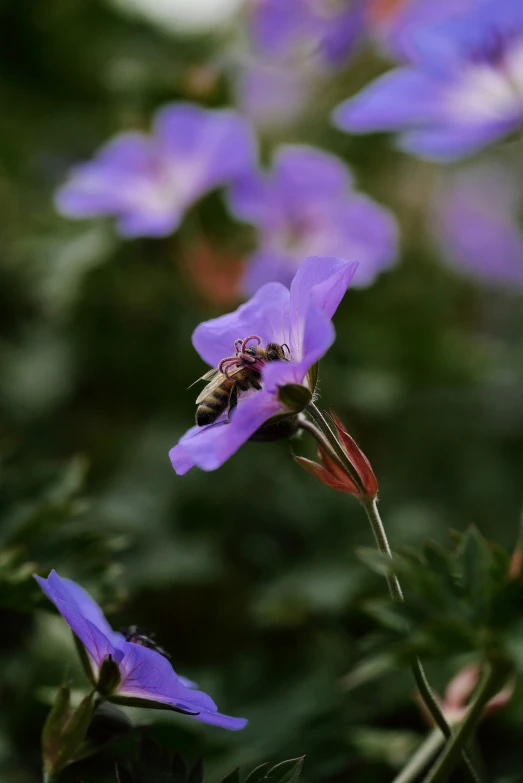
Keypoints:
pixel 234 777
pixel 376 561
pixel 259 773
pixel 474 560
pixel 287 771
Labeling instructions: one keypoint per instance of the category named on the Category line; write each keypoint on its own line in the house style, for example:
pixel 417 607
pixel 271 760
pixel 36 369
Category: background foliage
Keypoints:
pixel 248 575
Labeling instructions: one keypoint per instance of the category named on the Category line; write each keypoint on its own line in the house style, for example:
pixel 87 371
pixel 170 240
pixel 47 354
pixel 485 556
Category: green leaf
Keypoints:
pixel 258 773
pixel 234 777
pixel 287 771
pixel 54 726
pixel 73 734
pixel 473 558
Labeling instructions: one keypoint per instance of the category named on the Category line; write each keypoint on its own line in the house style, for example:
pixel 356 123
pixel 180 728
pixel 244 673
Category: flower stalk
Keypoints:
pixel 347 456
pixel 494 677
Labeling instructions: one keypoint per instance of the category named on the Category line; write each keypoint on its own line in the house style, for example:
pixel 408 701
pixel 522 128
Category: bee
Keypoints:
pixel 235 374
pixel 137 635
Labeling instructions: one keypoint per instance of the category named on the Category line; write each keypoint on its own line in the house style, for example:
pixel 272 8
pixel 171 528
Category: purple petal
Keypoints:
pixel 83 616
pixel 211 146
pixel 265 315
pixel 316 291
pixel 148 675
pixel 107 184
pixel 224 721
pixel 265 266
pixel 478 233
pixel 307 173
pixel 209 447
pixel 70 592
pixel 452 143
pixel 365 231
pixel 398 99
pixel 249 198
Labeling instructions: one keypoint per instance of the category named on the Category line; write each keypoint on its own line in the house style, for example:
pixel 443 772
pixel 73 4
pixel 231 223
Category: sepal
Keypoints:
pixel 294 396
pixel 108 677
pixel 65 730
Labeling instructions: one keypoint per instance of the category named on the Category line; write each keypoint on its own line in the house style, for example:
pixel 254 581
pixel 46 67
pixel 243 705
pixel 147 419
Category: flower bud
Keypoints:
pixel 356 478
pixel 108 677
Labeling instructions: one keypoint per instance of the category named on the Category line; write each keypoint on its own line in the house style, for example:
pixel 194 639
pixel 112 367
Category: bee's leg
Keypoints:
pixel 233 401
pixel 256 385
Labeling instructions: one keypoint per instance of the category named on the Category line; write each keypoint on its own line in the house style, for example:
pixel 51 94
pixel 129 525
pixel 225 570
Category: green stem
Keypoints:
pixel 421 758
pixel 422 684
pixel 327 439
pixel 491 681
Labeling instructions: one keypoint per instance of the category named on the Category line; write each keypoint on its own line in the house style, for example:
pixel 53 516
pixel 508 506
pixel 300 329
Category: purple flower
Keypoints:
pixel 299 318
pixel 462 91
pixel 398 25
pixel 328 28
pixel 145 676
pixel 475 223
pixel 148 181
pixel 306 206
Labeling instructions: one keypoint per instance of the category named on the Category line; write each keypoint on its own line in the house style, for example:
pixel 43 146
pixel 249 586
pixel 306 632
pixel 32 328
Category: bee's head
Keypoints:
pixel 276 353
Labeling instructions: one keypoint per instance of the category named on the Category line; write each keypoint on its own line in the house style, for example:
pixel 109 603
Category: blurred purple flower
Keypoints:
pixel 301 318
pixel 147 182
pixel 146 676
pixel 475 223
pixel 397 24
pixel 306 206
pixel 275 94
pixel 463 90
pixel 283 29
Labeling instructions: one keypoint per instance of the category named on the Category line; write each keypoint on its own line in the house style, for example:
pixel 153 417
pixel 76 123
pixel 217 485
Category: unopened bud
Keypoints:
pixel 108 677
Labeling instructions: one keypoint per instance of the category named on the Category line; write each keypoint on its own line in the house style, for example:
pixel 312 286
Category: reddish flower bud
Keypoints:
pixel 358 460
pixel 359 481
pixel 329 473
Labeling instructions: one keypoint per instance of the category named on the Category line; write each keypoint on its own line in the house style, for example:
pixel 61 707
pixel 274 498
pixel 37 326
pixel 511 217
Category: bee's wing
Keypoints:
pixel 208 375
pixel 216 381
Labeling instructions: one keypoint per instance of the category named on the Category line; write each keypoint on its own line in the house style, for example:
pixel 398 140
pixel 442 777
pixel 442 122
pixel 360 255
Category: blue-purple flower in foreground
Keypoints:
pixel 148 181
pixel 300 319
pixel 462 91
pixel 143 675
pixel 329 29
pixel 474 220
pixel 306 206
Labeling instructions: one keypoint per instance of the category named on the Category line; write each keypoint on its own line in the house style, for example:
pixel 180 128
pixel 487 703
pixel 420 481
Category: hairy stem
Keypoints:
pixel 324 435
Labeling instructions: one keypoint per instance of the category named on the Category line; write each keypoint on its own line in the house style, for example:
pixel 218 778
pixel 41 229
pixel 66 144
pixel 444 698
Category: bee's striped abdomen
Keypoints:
pixel 214 403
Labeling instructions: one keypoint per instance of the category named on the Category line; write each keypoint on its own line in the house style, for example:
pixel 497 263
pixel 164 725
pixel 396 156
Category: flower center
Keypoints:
pixel 491 87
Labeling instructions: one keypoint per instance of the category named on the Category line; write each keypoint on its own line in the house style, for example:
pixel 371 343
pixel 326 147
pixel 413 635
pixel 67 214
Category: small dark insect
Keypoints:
pixel 137 635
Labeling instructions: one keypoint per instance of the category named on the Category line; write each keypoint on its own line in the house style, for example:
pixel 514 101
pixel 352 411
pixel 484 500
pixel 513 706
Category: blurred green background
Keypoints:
pixel 248 575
